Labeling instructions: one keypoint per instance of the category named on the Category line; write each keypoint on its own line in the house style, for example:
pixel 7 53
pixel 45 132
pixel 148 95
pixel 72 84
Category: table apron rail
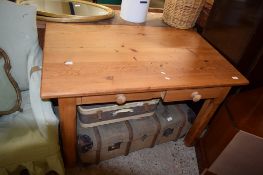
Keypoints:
pixel 166 96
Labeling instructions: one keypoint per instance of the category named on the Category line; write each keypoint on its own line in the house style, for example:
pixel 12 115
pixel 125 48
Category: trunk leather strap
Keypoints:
pixel 98 138
pixel 158 124
pixel 128 125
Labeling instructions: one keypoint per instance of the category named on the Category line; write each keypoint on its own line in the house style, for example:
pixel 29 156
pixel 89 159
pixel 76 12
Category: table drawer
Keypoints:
pixel 119 98
pixel 192 94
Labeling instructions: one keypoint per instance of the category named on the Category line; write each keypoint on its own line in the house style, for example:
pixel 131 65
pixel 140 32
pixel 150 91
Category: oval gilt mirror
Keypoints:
pixel 69 10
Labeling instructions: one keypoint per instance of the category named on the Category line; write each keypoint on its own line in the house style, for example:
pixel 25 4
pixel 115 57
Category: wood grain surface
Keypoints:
pixel 109 59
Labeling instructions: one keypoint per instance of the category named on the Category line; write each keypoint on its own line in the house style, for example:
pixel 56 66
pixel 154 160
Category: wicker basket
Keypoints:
pixel 182 14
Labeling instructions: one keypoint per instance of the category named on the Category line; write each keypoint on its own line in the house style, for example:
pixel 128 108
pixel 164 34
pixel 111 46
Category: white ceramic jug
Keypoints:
pixel 134 10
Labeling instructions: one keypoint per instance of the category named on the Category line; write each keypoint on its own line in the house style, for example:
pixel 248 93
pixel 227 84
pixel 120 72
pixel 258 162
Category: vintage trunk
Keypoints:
pixel 94 115
pixel 110 140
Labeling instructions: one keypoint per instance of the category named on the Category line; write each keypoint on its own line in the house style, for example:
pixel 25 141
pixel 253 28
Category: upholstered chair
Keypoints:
pixel 28 126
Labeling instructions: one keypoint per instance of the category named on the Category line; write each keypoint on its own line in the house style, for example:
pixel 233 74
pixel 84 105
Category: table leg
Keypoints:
pixel 67 112
pixel 208 109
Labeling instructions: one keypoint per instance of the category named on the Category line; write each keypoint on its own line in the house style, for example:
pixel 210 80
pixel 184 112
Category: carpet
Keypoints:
pixel 172 158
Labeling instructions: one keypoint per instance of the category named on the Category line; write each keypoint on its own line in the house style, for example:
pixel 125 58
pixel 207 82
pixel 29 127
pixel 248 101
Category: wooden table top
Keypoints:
pixel 109 59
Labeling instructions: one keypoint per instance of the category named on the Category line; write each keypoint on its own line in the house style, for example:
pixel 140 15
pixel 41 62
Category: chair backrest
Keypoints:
pixel 18 34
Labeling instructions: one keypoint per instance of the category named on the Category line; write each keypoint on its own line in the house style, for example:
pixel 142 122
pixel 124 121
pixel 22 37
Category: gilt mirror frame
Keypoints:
pixel 7 69
pixel 48 16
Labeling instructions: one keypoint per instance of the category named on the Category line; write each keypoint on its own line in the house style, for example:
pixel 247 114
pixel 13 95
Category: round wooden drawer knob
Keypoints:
pixel 121 99
pixel 196 96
